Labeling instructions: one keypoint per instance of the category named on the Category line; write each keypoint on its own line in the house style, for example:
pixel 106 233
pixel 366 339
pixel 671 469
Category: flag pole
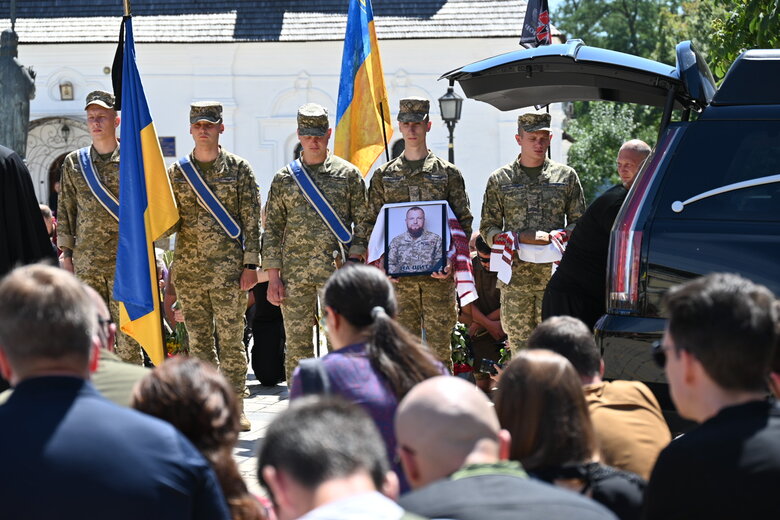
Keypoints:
pixel 127 7
pixel 384 132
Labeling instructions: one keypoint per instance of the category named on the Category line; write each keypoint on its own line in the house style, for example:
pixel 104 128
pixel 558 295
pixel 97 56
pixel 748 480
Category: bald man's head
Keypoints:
pixel 440 424
pixel 631 157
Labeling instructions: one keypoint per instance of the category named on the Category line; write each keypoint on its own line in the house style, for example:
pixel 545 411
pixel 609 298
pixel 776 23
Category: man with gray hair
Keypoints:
pixel 94 458
pixel 454 453
pixel 577 287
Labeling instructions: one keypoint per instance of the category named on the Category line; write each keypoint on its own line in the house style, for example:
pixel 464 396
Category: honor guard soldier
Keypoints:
pixel 315 208
pixel 217 246
pixel 426 301
pixel 529 197
pixel 88 211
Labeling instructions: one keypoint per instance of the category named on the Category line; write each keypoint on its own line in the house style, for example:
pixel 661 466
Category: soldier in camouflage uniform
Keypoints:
pixel 86 231
pixel 530 197
pixel 425 302
pixel 213 272
pixel 416 249
pixel 298 248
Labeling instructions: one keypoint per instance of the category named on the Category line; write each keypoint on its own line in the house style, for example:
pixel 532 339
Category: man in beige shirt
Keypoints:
pixel 626 416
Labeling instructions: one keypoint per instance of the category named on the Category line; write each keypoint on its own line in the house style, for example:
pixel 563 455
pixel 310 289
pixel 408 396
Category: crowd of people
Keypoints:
pixel 378 427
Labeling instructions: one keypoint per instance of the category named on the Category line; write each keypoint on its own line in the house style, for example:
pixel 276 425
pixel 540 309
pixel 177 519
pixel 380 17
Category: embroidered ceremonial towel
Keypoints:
pixel 506 243
pixel 457 249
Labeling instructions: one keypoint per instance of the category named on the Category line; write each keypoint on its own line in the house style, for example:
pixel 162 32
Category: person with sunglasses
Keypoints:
pixel 483 316
pixel 716 351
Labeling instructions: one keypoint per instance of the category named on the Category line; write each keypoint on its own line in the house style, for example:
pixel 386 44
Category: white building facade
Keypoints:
pixel 261 84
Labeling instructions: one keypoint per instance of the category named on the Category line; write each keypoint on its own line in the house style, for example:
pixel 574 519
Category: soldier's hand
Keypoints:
pixel 538 238
pixel 275 291
pixel 67 263
pixel 475 328
pixel 444 273
pixel 248 279
pixel 496 330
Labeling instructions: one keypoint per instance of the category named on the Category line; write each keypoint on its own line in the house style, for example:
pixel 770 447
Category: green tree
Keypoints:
pixel 646 28
pixel 598 136
pixel 747 24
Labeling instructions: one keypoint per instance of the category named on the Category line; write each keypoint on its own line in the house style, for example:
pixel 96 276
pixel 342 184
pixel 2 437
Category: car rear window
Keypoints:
pixel 714 154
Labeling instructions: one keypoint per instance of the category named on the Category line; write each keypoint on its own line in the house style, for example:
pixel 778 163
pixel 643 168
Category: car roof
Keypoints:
pixel 576 72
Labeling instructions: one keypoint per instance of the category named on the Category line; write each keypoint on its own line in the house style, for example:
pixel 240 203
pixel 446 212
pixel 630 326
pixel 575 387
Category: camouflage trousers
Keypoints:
pixel 217 310
pixel 299 311
pixel 427 304
pixel 521 312
pixel 127 348
pixel 521 301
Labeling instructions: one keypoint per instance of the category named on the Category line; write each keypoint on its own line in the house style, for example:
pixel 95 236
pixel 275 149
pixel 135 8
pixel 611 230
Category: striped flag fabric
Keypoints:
pixel 363 123
pixel 147 209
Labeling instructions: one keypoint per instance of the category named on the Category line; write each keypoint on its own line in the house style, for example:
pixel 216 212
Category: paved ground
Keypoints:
pixel 261 407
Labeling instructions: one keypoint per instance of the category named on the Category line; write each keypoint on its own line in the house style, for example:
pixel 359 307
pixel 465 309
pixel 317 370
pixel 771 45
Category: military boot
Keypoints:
pixel 243 421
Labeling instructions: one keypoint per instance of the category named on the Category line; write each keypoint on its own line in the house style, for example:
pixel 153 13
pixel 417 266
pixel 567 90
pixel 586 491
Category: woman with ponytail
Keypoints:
pixel 373 361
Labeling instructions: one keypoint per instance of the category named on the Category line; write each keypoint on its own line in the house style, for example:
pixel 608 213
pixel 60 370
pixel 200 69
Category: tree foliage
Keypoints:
pixel 647 28
pixel 747 24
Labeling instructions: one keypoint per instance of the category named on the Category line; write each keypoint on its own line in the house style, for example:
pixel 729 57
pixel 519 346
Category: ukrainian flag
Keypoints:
pixel 147 210
pixel 362 116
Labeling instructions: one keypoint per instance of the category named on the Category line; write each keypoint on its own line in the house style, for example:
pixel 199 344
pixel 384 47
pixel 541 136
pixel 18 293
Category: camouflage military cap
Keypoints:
pixel 313 120
pixel 210 111
pixel 533 122
pixel 100 98
pixel 413 110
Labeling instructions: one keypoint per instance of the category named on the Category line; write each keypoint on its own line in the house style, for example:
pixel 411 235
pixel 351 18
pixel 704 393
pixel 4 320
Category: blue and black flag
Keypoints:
pixel 536 27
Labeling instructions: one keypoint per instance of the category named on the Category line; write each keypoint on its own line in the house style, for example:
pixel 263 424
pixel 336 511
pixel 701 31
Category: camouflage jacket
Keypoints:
pixel 201 243
pixel 515 202
pixel 435 180
pixel 295 239
pixel 83 224
pixel 412 255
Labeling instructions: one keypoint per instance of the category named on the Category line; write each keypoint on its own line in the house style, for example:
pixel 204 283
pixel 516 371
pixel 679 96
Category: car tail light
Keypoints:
pixel 626 244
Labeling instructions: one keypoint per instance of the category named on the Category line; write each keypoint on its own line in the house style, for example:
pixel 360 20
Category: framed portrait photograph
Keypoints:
pixel 415 238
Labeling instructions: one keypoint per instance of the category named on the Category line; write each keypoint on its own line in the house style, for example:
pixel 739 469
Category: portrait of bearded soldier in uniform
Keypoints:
pixel 417 250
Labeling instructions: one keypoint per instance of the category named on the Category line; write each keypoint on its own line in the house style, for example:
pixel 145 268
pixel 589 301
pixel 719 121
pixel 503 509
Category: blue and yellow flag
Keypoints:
pixel 147 209
pixel 362 117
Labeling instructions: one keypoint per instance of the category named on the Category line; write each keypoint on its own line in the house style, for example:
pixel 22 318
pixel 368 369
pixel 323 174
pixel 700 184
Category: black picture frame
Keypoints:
pixel 430 254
